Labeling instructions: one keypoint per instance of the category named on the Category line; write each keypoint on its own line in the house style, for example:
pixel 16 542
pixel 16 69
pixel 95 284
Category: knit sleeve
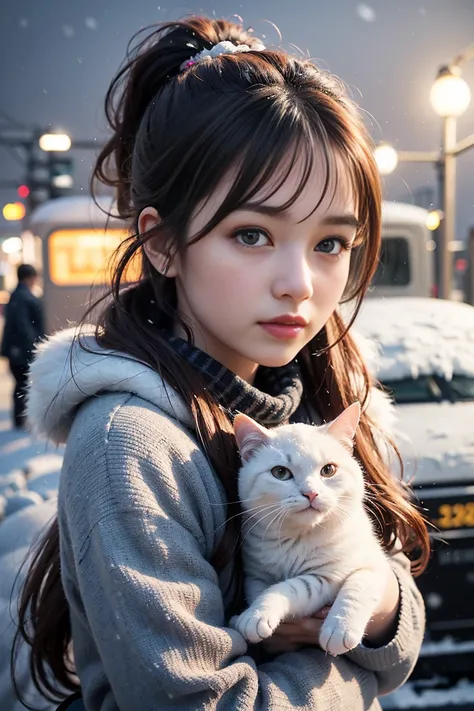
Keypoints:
pixel 394 662
pixel 149 627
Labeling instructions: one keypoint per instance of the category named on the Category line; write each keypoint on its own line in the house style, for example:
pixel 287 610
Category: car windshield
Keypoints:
pixel 423 389
pixel 462 387
pixel 430 388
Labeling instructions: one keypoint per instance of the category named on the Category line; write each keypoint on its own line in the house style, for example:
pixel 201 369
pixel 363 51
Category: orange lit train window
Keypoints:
pixel 82 257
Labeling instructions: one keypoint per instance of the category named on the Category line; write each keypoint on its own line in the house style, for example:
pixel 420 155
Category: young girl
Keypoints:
pixel 255 202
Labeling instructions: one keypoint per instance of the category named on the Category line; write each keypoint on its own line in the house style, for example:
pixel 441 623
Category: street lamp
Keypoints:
pixel 386 158
pixel 450 97
pixel 54 142
pixel 450 94
pixel 433 220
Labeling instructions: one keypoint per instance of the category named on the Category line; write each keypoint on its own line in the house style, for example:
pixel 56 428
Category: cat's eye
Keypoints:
pixel 328 470
pixel 282 473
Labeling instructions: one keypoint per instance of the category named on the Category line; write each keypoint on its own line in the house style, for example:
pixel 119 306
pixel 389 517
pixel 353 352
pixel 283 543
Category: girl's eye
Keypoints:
pixel 328 470
pixel 282 473
pixel 333 245
pixel 252 237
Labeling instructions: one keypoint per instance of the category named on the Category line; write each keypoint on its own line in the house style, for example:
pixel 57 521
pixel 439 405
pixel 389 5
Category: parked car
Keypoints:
pixel 427 364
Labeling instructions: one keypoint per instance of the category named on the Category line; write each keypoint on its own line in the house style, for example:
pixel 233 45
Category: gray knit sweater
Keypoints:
pixel 140 511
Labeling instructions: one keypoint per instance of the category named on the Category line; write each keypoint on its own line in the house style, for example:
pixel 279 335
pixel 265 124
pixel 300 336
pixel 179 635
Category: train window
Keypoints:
pixel 83 257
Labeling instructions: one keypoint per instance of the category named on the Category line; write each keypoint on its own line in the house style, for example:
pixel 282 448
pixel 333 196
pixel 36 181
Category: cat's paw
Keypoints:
pixel 338 635
pixel 255 625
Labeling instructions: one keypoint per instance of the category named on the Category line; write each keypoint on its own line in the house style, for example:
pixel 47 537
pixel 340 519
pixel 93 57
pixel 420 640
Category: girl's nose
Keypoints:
pixel 295 279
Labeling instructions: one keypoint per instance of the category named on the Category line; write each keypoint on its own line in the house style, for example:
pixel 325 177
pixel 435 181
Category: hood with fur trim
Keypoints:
pixel 69 369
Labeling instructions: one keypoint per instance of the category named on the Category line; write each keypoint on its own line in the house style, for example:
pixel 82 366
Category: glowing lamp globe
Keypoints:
pixel 450 95
pixel 386 158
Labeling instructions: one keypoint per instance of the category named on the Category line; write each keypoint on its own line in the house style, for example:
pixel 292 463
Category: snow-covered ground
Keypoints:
pixel 29 477
pixel 414 696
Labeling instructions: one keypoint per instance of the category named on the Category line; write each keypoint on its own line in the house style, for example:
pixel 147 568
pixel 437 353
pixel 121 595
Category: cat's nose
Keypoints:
pixel 311 495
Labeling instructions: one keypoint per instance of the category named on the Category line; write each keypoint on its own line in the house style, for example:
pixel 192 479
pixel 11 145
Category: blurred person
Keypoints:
pixel 250 185
pixel 23 328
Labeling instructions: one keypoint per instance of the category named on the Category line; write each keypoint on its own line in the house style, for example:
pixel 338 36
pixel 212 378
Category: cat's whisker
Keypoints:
pixel 258 509
pixel 273 519
pixel 377 513
pixel 286 513
pixel 254 515
pixel 228 503
pixel 256 524
pixel 340 514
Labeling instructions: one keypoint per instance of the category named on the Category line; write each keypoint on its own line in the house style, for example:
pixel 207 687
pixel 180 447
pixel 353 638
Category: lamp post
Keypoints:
pixel 450 97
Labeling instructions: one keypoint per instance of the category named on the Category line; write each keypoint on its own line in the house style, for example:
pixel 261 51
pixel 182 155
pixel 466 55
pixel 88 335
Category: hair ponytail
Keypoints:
pixel 150 64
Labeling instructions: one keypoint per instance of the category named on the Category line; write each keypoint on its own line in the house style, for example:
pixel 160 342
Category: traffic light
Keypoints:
pixel 23 191
pixel 13 211
pixel 60 175
pixel 47 179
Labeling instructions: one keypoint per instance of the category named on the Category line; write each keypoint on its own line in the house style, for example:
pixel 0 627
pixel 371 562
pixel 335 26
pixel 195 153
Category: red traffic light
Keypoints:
pixel 23 191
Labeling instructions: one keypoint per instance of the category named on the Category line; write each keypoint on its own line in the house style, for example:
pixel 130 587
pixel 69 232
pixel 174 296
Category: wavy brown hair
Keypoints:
pixel 176 133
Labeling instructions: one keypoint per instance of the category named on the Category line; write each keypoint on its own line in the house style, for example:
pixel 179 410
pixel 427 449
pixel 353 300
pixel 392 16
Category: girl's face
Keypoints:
pixel 262 284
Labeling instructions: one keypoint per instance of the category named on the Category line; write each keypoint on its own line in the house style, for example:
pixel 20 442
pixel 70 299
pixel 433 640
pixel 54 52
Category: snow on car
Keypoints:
pixel 426 362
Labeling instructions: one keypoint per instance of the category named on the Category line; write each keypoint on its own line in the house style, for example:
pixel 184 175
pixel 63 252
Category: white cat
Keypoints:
pixel 308 541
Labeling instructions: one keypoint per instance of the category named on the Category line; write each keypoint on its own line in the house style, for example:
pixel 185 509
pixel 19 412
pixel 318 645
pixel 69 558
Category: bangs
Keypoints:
pixel 250 144
pixel 272 157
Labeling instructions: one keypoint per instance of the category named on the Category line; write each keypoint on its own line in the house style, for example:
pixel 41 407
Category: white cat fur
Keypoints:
pixel 300 556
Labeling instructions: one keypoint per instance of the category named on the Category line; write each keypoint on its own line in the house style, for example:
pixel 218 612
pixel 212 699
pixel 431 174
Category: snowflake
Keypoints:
pixel 366 13
pixel 69 31
pixel 91 23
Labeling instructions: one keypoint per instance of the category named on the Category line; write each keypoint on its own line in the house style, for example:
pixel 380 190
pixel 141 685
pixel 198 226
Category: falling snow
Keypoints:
pixel 23 23
pixel 366 13
pixel 68 31
pixel 91 23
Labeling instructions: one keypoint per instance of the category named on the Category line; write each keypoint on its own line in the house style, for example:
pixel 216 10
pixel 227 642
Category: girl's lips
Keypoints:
pixel 283 331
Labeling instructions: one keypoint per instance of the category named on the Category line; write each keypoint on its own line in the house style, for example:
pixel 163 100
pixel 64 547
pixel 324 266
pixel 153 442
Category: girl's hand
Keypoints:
pixel 291 636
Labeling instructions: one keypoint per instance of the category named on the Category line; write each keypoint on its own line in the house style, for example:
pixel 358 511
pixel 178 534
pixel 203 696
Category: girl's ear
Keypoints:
pixel 345 426
pixel 249 435
pixel 155 249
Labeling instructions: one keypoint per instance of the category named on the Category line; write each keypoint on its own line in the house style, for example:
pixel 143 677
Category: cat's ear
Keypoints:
pixel 345 426
pixel 249 436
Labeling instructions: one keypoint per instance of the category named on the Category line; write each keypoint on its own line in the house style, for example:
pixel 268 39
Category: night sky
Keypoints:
pixel 58 56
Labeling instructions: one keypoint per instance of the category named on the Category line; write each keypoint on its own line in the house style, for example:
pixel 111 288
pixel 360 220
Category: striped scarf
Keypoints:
pixel 274 399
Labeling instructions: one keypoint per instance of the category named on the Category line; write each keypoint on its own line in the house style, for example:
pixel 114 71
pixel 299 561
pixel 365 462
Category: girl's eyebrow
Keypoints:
pixel 346 219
